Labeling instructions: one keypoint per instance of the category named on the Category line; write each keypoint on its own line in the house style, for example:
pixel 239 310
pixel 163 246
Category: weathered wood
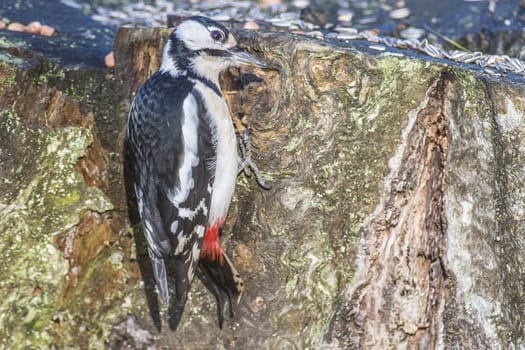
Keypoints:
pixel 395 218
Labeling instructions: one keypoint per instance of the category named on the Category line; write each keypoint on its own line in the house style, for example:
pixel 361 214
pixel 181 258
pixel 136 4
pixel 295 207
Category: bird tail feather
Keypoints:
pixel 223 281
pixel 159 271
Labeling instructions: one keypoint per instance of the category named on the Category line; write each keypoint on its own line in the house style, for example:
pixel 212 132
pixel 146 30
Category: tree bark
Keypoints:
pixel 395 219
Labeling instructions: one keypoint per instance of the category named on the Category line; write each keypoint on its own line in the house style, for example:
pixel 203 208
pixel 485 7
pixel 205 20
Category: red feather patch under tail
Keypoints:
pixel 211 247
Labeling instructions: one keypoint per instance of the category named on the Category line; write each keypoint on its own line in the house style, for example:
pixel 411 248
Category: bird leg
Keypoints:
pixel 247 164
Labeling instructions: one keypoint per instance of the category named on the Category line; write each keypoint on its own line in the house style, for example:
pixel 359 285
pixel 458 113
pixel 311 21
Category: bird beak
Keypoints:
pixel 242 57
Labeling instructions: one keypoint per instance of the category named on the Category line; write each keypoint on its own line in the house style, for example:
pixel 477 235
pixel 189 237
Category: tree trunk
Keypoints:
pixel 395 219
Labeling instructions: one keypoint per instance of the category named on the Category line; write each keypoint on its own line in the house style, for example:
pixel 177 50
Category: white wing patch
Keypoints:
pixel 190 126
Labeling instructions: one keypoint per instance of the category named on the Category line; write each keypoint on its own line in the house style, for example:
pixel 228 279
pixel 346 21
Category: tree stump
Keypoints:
pixel 395 219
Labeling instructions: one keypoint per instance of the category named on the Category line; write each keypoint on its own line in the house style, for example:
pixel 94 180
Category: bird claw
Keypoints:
pixel 247 165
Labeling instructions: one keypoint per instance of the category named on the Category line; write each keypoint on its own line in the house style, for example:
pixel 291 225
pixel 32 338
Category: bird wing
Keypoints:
pixel 169 140
pixel 194 200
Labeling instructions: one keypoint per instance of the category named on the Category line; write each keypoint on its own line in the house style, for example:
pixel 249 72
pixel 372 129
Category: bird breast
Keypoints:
pixel 226 162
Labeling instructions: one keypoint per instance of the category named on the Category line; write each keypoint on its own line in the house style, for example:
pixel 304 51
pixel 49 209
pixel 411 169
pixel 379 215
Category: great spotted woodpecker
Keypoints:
pixel 183 151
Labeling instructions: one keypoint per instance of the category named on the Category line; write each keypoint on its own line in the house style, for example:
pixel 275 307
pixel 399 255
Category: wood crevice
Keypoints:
pixel 400 294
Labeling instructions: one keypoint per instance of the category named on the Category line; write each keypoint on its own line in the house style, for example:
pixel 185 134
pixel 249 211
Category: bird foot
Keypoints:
pixel 247 165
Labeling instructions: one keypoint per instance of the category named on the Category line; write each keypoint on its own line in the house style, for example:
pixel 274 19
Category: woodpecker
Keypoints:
pixel 183 151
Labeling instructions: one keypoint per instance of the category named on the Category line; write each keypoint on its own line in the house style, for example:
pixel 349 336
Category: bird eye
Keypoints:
pixel 217 35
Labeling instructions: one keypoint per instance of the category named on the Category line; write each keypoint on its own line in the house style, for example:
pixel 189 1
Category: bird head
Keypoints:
pixel 203 47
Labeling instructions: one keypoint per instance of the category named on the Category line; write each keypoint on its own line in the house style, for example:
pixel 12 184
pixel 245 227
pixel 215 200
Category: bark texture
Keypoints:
pixel 395 219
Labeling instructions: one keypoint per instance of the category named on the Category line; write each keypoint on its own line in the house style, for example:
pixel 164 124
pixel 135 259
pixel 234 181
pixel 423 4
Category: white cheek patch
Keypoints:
pixel 230 42
pixel 196 36
pixel 209 67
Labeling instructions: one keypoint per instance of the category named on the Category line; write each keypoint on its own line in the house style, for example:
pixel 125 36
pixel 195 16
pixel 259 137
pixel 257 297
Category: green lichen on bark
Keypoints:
pixel 42 197
pixel 347 143
pixel 97 302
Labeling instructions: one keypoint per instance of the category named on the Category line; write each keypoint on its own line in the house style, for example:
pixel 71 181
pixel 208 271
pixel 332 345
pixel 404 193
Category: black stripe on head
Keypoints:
pixel 215 52
pixel 180 53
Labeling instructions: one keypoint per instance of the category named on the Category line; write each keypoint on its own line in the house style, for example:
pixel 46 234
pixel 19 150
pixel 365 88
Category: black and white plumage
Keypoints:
pixel 183 151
